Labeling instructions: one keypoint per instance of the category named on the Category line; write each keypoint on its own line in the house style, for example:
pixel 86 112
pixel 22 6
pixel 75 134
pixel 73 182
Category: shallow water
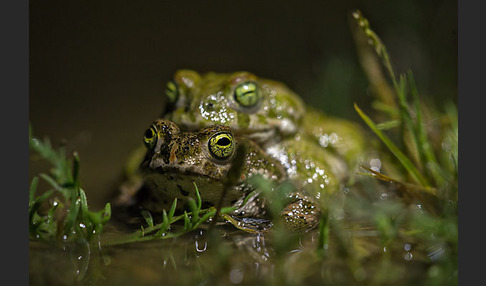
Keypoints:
pixel 226 256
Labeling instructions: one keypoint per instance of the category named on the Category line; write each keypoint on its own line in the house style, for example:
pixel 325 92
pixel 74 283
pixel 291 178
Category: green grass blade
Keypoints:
pixel 51 181
pixel 388 124
pixel 148 218
pixel 376 43
pixel 424 146
pixel 394 149
pixel 106 216
pixel 187 222
pixel 406 118
pixel 84 204
pixel 198 196
pixel 385 108
pixel 172 209
pixel 33 188
pixel 71 217
pixel 165 224
pixel 194 210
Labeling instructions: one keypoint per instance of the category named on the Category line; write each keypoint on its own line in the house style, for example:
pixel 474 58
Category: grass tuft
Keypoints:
pixel 61 213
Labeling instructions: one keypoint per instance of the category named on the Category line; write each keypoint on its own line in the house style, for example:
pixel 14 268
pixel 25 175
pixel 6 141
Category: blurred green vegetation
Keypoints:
pixel 398 227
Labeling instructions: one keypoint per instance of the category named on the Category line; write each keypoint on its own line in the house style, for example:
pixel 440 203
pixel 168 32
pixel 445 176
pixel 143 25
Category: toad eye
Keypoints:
pixel 247 94
pixel 150 137
pixel 172 91
pixel 221 145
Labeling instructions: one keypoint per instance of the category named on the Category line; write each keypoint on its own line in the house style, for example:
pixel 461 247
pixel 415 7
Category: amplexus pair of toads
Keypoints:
pixel 210 115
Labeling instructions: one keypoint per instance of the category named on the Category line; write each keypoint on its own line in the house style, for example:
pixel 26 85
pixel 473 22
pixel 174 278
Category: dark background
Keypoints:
pixel 98 68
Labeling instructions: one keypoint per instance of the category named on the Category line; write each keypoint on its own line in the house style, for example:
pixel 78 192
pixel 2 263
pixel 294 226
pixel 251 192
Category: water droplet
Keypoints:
pixel 384 196
pixel 201 243
pixel 375 164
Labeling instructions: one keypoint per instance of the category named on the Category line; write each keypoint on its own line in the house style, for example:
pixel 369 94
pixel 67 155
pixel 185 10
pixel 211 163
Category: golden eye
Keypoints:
pixel 247 94
pixel 221 145
pixel 172 91
pixel 150 137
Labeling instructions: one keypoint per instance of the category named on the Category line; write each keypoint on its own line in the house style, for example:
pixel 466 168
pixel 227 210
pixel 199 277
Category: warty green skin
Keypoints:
pixel 179 159
pixel 319 152
pixel 208 99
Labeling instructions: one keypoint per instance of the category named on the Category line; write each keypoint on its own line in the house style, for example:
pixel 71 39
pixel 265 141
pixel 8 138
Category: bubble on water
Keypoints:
pixel 407 247
pixel 384 196
pixel 236 275
pixel 408 256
